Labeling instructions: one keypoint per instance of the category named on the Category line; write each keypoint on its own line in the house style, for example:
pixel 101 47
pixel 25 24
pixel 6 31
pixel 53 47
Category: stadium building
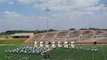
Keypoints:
pixel 22 35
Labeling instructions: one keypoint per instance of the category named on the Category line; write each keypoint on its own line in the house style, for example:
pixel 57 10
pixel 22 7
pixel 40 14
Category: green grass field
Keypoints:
pixel 15 41
pixel 59 53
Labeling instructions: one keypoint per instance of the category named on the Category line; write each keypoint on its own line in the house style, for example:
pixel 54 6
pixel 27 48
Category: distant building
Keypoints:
pixel 22 35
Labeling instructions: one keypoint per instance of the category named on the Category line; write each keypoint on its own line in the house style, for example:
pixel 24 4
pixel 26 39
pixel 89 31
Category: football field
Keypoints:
pixel 80 52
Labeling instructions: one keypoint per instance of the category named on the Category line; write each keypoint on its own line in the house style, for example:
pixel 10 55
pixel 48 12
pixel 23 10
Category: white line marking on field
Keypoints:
pixel 81 56
pixel 103 53
pixel 74 52
pixel 93 56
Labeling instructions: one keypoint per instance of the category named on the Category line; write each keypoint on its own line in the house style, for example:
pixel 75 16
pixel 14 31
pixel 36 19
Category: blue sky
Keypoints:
pixel 63 14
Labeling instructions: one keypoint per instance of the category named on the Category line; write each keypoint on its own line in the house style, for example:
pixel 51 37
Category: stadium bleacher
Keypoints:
pixel 49 35
pixel 87 34
pixel 62 34
pixel 74 35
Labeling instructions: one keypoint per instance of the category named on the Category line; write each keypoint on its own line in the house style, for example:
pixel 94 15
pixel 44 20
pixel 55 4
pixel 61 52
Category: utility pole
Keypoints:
pixel 47 22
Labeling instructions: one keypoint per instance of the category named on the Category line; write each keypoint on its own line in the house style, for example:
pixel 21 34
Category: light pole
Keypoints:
pixel 47 22
pixel 105 5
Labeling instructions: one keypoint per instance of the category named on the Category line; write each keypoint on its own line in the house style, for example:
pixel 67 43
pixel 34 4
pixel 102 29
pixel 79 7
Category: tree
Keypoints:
pixel 83 29
pixel 93 28
pixel 52 30
pixel 72 29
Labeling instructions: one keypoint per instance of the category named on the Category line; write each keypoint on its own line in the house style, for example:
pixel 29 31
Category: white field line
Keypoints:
pixel 61 55
pixel 74 52
pixel 93 56
pixel 5 44
pixel 103 53
pixel 81 56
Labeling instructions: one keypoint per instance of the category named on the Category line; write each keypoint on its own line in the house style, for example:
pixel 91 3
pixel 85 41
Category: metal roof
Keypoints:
pixel 22 34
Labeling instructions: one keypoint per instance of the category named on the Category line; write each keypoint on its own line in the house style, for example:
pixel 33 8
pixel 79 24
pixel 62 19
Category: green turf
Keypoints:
pixel 12 41
pixel 60 53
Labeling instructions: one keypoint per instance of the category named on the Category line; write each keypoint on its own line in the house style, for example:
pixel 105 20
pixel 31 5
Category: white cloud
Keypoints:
pixel 74 8
pixel 11 20
pixel 1 1
pixel 69 13
pixel 85 3
pixel 12 14
pixel 26 1
pixel 67 4
pixel 7 1
pixel 11 2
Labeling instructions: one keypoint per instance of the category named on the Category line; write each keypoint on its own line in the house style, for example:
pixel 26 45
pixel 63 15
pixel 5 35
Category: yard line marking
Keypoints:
pixel 74 52
pixel 103 53
pixel 61 55
pixel 53 54
pixel 81 55
pixel 93 56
